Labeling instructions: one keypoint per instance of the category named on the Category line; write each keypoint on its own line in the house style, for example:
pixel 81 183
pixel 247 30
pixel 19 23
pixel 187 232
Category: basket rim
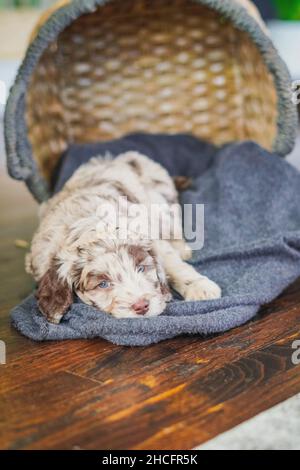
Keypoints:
pixel 20 161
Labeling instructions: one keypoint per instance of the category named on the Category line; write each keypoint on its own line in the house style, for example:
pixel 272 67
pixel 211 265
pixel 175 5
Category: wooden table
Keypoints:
pixel 95 395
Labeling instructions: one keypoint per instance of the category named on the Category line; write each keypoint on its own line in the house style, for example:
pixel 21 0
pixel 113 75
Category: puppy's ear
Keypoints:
pixel 162 278
pixel 54 296
pixel 165 290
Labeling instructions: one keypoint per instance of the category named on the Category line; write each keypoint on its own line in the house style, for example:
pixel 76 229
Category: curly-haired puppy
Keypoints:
pixel 79 248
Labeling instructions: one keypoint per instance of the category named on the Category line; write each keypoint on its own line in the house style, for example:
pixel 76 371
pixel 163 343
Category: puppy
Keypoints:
pixel 109 262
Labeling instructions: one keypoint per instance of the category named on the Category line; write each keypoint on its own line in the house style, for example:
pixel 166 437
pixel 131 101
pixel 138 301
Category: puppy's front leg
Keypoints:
pixel 183 277
pixel 181 246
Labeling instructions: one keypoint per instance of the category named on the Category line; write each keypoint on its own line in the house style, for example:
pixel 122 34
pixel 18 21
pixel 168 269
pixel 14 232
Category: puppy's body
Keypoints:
pixel 79 246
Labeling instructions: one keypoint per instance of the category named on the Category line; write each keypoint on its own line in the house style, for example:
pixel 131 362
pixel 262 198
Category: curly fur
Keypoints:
pixel 79 248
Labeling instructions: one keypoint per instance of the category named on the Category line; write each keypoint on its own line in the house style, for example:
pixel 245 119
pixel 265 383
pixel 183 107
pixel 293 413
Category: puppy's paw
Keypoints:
pixel 202 289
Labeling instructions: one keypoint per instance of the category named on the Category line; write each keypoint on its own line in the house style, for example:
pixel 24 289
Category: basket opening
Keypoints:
pixel 138 66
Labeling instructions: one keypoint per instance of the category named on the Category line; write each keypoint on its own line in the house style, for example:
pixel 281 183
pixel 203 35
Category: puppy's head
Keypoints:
pixel 120 278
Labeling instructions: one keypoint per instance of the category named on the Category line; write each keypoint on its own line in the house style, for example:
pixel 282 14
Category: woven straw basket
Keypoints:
pixel 98 69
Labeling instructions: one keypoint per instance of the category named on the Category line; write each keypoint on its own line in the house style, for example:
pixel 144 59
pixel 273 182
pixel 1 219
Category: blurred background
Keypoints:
pixel 18 17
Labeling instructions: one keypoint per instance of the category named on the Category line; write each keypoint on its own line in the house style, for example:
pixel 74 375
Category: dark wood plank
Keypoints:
pixel 92 394
pixel 32 410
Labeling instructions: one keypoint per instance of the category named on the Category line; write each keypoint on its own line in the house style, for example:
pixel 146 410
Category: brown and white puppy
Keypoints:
pixel 80 245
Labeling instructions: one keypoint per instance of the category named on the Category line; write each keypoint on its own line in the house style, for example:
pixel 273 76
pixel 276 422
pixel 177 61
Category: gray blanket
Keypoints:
pixel 252 240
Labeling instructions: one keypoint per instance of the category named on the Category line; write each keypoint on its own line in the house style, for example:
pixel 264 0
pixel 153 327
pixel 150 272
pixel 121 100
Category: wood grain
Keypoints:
pixel 95 395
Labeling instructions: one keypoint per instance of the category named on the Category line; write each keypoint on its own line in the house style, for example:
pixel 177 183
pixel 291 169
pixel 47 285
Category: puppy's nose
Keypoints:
pixel 141 306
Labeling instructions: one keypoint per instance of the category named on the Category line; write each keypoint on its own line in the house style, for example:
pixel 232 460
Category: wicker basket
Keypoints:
pixel 98 69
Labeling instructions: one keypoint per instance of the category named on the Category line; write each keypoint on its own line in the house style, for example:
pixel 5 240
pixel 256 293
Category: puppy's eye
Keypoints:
pixel 104 284
pixel 141 268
